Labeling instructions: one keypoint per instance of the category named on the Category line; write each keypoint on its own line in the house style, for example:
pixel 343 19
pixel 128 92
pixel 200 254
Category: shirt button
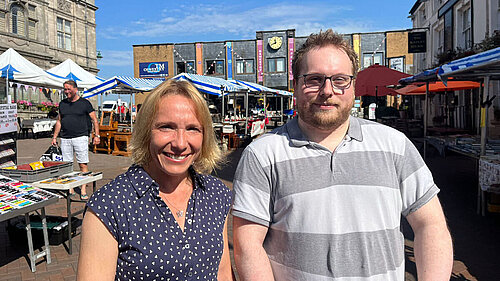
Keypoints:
pixel 187 246
pixel 190 274
pixel 189 221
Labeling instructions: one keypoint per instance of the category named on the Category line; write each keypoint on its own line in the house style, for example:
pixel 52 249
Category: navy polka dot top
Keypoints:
pixel 151 245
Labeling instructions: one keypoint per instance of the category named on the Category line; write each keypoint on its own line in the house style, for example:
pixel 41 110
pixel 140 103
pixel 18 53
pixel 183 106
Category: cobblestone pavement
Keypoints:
pixel 475 238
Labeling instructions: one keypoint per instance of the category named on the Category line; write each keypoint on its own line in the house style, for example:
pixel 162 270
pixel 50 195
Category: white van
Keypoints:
pixel 112 105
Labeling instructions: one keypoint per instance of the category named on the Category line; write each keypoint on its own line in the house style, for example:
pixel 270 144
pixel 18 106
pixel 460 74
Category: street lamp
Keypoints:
pixel 99 56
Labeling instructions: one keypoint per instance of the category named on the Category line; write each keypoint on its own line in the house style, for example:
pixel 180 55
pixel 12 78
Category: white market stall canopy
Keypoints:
pixel 15 67
pixel 126 83
pixel 69 70
pixel 210 85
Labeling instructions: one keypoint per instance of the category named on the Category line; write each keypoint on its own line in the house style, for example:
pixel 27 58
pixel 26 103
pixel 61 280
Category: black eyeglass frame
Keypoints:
pixel 352 77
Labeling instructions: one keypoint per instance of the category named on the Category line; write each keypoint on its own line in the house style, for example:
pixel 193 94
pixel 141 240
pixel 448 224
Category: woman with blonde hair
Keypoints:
pixel 164 219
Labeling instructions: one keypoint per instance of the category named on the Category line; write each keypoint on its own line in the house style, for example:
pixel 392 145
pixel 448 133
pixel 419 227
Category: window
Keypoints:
pixel 32 29
pixel 186 67
pixel 440 41
pixel 466 28
pixel 2 21
pixel 17 20
pixel 63 34
pixel 32 11
pixel 215 67
pixel 371 59
pixel 244 66
pixel 423 15
pixel 276 65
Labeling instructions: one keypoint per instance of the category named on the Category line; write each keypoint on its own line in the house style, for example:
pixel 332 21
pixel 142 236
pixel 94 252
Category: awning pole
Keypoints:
pixel 484 115
pixel 246 112
pixel 478 115
pixel 130 106
pixel 222 96
pixel 282 112
pixel 7 81
pixel 426 116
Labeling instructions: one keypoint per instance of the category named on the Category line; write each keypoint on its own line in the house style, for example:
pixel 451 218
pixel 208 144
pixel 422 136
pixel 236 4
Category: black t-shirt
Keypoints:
pixel 74 118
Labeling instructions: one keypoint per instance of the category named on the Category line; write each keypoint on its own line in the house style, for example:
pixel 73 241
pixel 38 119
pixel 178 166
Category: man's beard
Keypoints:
pixel 325 119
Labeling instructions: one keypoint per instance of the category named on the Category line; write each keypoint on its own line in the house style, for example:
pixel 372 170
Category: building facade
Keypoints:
pixel 266 59
pixel 47 32
pixel 451 27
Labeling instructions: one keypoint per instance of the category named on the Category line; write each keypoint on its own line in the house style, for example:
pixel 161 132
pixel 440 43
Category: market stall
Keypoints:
pixel 108 129
pixel 483 67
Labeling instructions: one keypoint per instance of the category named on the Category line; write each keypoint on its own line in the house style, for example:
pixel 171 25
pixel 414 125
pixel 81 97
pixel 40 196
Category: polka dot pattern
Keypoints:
pixel 151 244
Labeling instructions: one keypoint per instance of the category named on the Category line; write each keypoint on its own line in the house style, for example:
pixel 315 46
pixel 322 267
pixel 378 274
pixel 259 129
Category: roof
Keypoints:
pixel 210 85
pixel 17 68
pixel 69 70
pixel 125 83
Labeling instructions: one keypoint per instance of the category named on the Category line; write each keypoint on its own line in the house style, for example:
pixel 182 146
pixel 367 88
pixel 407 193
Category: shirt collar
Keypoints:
pixel 298 138
pixel 141 181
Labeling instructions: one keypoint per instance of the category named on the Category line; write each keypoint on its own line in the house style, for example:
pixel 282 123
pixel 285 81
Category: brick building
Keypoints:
pixel 265 60
pixel 47 32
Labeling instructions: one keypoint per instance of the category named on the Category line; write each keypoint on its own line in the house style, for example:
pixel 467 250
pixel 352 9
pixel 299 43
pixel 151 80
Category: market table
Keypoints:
pixel 489 179
pixel 40 125
pixel 17 199
pixel 63 184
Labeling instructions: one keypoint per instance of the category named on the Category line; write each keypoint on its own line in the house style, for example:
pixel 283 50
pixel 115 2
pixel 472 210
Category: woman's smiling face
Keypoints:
pixel 176 138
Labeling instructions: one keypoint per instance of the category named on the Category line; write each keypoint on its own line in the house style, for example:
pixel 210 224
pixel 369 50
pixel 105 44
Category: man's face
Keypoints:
pixel 70 91
pixel 326 108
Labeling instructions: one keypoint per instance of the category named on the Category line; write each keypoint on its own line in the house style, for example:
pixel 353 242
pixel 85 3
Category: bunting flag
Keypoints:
pixel 26 87
pixel 19 85
pixel 10 84
pixel 33 88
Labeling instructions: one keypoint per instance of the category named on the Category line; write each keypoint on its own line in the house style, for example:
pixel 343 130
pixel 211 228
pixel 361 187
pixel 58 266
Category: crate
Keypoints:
pixel 57 228
pixel 60 168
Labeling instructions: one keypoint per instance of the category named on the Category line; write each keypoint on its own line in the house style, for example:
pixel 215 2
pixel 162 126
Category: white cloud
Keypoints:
pixel 117 58
pixel 242 22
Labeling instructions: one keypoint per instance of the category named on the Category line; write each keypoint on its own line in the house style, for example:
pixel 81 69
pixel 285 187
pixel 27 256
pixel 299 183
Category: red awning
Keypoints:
pixel 373 80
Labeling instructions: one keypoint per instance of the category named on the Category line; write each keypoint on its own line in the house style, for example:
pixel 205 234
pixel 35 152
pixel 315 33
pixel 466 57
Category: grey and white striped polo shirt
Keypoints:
pixel 333 216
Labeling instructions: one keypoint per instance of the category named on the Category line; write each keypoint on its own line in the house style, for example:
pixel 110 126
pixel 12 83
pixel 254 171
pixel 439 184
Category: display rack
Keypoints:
pixel 8 149
pixel 18 199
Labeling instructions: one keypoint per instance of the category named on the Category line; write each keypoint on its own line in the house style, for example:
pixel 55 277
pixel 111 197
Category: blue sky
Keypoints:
pixel 121 24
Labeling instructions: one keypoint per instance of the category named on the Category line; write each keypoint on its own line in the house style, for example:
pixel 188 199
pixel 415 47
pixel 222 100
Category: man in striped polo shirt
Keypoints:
pixel 321 198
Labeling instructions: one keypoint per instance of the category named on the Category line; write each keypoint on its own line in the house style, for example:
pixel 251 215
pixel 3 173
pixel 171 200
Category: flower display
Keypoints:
pixel 24 104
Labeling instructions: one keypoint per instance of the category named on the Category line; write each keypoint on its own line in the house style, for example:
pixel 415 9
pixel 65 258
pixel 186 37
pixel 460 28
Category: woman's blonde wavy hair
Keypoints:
pixel 210 156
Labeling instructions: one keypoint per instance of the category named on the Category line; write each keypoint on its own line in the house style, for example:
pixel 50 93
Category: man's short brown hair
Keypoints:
pixel 323 39
pixel 72 83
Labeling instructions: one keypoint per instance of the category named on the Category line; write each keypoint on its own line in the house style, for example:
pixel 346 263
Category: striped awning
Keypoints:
pixel 254 87
pixel 472 67
pixel 128 83
pixel 210 85
pixel 485 63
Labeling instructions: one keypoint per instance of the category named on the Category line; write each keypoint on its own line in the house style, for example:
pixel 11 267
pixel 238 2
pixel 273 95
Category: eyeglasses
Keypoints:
pixel 317 81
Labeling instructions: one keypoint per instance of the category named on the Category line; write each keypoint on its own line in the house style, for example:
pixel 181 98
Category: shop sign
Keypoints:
pixel 153 69
pixel 260 62
pixel 291 47
pixel 417 42
pixel 8 118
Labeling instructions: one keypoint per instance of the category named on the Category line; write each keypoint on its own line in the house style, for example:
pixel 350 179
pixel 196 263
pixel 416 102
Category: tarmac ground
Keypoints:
pixel 476 238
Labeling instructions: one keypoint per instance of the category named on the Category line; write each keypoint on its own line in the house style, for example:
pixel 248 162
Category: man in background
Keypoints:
pixel 73 126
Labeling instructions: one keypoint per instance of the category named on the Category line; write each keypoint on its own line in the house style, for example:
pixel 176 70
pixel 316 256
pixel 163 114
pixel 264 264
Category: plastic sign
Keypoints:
pixel 153 69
